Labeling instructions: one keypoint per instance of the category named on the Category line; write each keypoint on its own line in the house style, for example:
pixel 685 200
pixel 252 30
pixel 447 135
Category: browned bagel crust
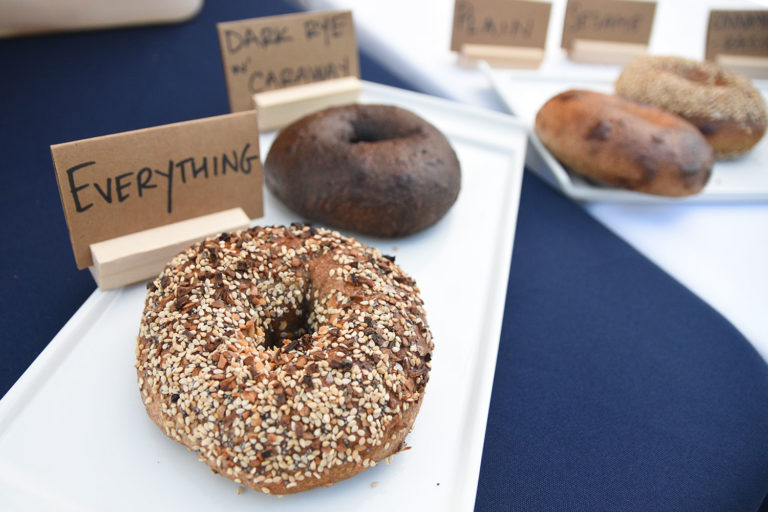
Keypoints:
pixel 218 373
pixel 372 169
pixel 625 144
pixel 725 106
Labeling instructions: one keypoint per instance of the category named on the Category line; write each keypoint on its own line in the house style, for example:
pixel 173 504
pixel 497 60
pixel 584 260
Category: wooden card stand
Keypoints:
pixel 142 255
pixel 514 57
pixel 752 67
pixel 605 52
pixel 281 107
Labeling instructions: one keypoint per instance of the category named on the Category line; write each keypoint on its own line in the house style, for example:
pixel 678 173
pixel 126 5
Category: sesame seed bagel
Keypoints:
pixel 625 144
pixel 725 106
pixel 286 358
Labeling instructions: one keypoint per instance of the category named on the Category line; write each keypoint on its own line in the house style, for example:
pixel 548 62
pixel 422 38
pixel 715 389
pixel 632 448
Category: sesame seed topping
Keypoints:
pixel 692 89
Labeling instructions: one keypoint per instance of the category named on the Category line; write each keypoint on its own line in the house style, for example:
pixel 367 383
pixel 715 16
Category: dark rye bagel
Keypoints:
pixel 372 169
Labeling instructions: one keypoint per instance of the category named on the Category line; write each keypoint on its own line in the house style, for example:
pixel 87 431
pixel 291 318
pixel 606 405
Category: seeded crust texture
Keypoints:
pixel 286 358
pixel 625 144
pixel 374 169
pixel 725 106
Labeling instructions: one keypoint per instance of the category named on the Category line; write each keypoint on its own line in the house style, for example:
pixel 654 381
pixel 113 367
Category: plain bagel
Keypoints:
pixel 625 144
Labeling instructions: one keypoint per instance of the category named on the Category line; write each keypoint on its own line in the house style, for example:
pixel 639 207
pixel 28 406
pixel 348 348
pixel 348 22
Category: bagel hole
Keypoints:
pixel 695 75
pixel 371 132
pixel 701 76
pixel 292 326
pixel 720 80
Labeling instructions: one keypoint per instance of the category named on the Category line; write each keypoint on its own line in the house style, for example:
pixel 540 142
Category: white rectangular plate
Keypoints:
pixel 74 433
pixel 741 179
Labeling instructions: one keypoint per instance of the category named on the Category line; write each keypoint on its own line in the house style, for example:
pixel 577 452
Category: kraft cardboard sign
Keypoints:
pixel 500 23
pixel 264 54
pixel 743 33
pixel 618 21
pixel 118 184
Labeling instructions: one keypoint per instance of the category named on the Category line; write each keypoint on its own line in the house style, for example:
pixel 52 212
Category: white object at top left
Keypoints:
pixel 22 17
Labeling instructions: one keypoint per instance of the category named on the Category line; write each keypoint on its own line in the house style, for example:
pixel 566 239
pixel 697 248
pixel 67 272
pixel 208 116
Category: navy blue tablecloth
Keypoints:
pixel 615 388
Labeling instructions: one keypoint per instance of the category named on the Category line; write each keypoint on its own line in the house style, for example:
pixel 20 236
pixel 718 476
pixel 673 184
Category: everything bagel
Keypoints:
pixel 286 358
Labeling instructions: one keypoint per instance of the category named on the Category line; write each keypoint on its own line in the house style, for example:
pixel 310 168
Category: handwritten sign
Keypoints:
pixel 127 182
pixel 263 54
pixel 620 21
pixel 500 23
pixel 742 33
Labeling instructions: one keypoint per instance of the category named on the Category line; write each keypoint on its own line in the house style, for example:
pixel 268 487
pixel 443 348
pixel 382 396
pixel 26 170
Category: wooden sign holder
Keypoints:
pixel 591 51
pixel 281 107
pixel 513 57
pixel 752 67
pixel 142 255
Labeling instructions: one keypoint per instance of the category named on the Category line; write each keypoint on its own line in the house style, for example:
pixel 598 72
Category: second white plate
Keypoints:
pixel 523 92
